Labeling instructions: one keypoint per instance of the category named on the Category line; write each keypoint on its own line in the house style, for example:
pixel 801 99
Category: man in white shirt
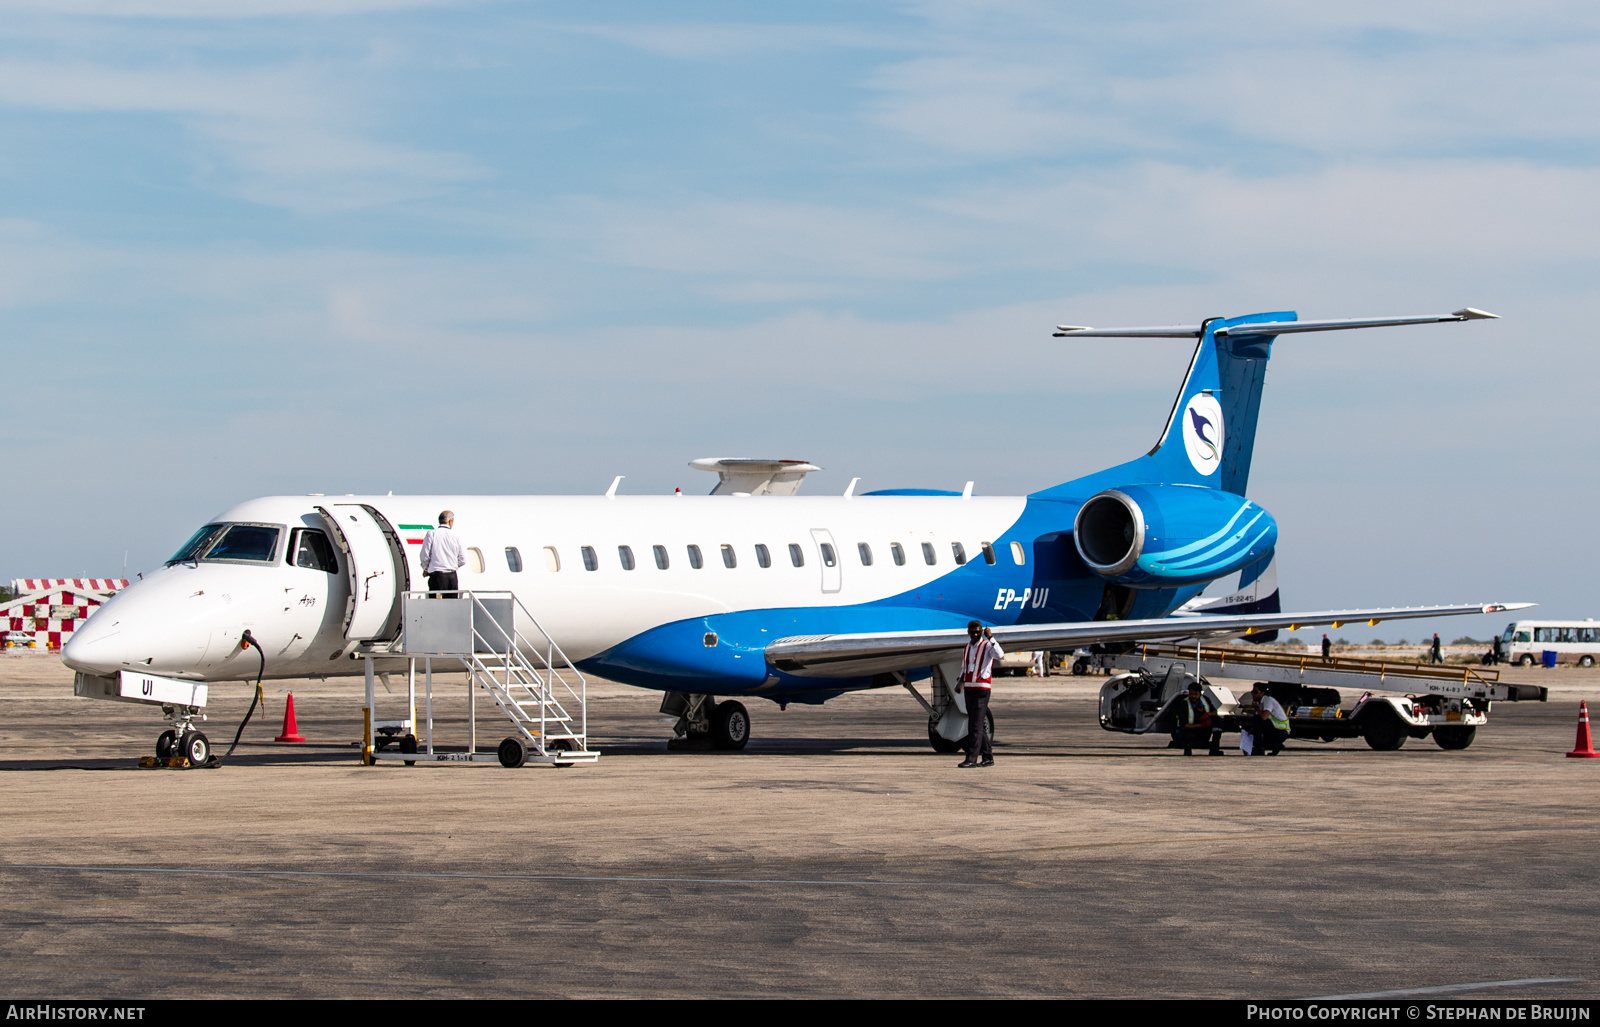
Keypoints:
pixel 977 681
pixel 1271 727
pixel 441 556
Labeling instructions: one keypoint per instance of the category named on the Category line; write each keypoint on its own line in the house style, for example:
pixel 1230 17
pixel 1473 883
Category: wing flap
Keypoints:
pixel 856 655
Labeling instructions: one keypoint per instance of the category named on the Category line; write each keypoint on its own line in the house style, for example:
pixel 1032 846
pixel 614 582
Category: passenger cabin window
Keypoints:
pixel 928 555
pixel 513 560
pixel 625 554
pixel 310 548
pixel 897 551
pixel 828 557
pixel 552 559
pixel 695 559
pixel 763 556
pixel 1017 556
pixel 254 543
pixel 591 562
pixel 661 556
pixel 729 560
pixel 865 552
pixel 988 553
pixel 475 559
pixel 797 556
pixel 960 552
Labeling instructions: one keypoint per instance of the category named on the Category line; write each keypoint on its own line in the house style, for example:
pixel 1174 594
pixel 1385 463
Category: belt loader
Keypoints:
pixel 1448 703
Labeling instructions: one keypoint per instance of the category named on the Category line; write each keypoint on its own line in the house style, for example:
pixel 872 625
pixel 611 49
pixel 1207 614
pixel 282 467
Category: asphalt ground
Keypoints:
pixel 836 856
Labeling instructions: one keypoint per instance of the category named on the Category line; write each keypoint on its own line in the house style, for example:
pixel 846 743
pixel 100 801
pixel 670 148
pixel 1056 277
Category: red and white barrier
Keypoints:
pixel 49 610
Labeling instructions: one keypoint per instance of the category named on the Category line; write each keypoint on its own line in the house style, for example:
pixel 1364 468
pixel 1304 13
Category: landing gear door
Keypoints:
pixel 376 567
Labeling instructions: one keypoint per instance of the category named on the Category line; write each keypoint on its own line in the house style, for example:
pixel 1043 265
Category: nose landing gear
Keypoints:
pixel 182 741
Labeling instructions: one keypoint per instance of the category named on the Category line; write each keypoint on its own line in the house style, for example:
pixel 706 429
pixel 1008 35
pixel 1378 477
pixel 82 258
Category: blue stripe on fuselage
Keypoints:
pixel 1052 586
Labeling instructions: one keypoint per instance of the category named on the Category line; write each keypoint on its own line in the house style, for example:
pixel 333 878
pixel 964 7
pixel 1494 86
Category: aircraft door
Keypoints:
pixel 827 558
pixel 376 567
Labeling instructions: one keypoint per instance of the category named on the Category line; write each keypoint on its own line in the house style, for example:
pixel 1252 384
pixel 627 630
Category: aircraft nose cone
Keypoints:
pixel 96 648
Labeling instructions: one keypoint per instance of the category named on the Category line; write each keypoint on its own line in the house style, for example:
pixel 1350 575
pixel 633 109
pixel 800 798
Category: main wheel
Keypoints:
pixel 1080 667
pixel 164 745
pixel 196 748
pixel 1526 660
pixel 1384 731
pixel 1458 737
pixel 730 725
pixel 939 742
pixel 512 752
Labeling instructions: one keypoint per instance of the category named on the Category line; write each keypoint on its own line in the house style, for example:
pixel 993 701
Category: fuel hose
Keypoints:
pixel 246 640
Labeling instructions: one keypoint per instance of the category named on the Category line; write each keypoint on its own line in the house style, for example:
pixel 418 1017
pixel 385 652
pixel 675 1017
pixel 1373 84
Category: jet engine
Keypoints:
pixel 1164 536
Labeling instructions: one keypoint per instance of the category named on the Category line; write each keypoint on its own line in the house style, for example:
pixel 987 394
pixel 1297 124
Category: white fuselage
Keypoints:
pixel 187 618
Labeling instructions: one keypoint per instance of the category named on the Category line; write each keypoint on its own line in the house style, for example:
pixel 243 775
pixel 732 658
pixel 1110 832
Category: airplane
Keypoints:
pixel 756 592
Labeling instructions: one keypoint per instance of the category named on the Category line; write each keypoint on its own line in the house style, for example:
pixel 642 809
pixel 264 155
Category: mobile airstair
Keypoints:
pixel 1447 702
pixel 507 655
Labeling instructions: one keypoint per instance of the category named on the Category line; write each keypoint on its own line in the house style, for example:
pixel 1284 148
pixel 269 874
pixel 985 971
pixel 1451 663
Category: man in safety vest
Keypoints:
pixel 1271 727
pixel 1197 722
pixel 977 680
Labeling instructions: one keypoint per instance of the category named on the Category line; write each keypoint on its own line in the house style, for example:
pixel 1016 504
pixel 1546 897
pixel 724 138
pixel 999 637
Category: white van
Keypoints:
pixel 1577 641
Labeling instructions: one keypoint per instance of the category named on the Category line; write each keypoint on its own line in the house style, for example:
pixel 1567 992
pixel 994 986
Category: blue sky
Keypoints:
pixel 361 246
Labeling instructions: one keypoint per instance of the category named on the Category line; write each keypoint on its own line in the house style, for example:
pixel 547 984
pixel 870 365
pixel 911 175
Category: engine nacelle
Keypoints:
pixel 1164 536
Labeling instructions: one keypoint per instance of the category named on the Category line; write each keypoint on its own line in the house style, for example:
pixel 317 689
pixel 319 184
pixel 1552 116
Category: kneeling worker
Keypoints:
pixel 1271 727
pixel 1197 720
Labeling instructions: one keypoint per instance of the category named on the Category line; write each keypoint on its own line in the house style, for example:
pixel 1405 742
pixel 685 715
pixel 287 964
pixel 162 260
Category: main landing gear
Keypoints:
pixel 704 723
pixel 947 718
pixel 944 745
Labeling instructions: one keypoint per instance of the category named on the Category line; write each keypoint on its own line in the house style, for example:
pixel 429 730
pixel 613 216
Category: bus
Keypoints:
pixel 1574 641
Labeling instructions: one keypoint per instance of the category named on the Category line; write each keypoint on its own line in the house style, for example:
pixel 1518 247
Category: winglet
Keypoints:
pixel 1473 314
pixel 611 493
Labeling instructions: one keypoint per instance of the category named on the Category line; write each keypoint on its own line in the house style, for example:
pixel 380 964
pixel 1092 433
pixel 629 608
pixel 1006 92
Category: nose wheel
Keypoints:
pixel 183 739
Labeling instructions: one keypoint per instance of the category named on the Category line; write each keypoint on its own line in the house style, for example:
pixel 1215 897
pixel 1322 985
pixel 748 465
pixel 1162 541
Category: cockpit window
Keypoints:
pixel 257 543
pixel 197 544
pixel 254 543
pixel 312 550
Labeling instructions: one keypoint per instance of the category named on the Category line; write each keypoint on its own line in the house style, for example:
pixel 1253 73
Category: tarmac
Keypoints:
pixel 837 856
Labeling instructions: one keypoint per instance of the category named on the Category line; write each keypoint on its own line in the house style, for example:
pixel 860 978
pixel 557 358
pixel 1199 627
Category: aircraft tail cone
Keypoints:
pixel 1584 746
pixel 291 730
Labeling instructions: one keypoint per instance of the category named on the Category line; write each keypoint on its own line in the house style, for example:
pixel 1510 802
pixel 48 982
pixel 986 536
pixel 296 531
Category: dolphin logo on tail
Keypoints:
pixel 1200 426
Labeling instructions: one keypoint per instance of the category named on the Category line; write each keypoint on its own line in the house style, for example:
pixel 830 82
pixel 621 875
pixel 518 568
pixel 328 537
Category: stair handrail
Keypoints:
pixel 518 647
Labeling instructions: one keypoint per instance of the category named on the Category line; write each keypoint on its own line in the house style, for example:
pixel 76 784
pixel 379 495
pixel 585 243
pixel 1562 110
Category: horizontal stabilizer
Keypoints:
pixel 1268 328
pixel 858 655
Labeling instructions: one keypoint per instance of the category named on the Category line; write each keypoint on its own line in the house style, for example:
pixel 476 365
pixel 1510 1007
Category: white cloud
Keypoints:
pixel 706 41
pixel 1000 81
pixel 213 9
pixel 287 136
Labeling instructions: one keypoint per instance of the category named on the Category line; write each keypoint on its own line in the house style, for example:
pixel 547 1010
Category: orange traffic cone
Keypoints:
pixel 1584 746
pixel 291 730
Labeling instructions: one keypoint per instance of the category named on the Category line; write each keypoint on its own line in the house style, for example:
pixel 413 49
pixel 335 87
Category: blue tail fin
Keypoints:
pixel 1211 433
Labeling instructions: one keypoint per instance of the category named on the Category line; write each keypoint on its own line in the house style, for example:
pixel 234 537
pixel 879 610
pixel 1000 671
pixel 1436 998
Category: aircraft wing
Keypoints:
pixel 858 655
